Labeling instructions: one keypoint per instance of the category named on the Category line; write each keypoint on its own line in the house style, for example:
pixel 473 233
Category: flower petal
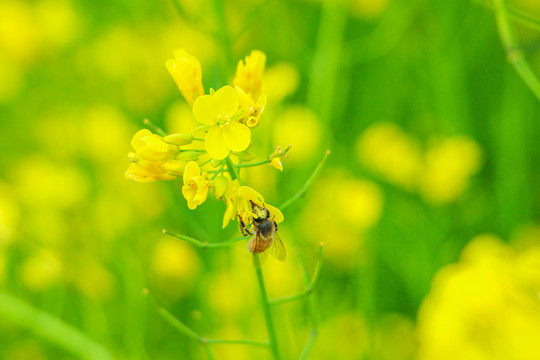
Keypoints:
pixel 204 109
pixel 215 144
pixel 246 193
pixel 237 136
pixel 275 213
pixel 227 101
pixel 192 169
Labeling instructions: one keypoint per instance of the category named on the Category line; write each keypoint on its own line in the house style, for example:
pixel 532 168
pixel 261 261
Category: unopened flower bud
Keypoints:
pixel 216 163
pixel 175 167
pixel 179 139
pixel 276 162
pixel 188 156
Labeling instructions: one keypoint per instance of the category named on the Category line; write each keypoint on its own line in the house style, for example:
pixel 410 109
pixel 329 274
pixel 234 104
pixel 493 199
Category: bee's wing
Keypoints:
pixel 259 258
pixel 278 249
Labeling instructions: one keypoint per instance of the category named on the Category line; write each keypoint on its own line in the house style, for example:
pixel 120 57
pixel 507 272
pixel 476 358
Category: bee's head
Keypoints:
pixel 260 214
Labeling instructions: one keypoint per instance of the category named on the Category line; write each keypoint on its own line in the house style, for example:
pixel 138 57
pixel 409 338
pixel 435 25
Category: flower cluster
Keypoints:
pixel 226 117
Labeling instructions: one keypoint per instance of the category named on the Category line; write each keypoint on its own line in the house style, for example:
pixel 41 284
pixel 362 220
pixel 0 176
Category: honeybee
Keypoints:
pixel 265 238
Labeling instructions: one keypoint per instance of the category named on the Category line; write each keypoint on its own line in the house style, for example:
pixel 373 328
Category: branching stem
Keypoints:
pixel 514 54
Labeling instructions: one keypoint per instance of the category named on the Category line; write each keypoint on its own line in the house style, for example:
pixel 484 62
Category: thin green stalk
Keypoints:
pixel 524 18
pixel 243 342
pixel 203 244
pixel 209 352
pixel 514 55
pixel 516 14
pixel 51 328
pixel 267 316
pixel 312 284
pixel 154 127
pixel 308 183
pixel 252 164
pixel 314 311
pixel 217 172
pixel 178 325
pixel 309 344
pixel 231 169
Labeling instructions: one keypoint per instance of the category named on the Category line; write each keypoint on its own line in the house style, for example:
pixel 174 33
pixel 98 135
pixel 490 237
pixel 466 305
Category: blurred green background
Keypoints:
pixel 434 150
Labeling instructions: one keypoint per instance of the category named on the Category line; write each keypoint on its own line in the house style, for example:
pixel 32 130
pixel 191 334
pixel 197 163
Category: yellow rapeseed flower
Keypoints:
pixel 186 72
pixel 449 165
pixel 249 73
pixel 252 109
pixel 195 188
pixel 152 147
pixel 225 134
pixel 147 171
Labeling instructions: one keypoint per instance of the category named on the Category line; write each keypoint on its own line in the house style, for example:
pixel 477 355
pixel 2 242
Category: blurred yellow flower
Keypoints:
pixel 479 307
pixel 344 209
pixel 225 134
pixel 41 270
pixel 19 33
pixel 388 151
pixel 449 164
pixel 186 72
pixel 9 214
pixel 368 9
pixel 298 125
pixel 93 279
pixel 175 266
pixel 394 338
pixel 249 73
pixel 279 81
pixel 196 185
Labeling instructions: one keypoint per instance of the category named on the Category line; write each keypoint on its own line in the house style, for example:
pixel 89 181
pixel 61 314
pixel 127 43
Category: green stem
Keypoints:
pixel 217 172
pixel 252 164
pixel 231 169
pixel 514 55
pixel 308 183
pixel 178 325
pixel 267 316
pixel 524 18
pixel 310 286
pixel 309 344
pixel 203 244
pixel 51 328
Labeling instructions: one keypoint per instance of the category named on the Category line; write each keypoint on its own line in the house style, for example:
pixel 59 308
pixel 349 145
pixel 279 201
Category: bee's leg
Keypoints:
pixel 243 228
pixel 275 224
